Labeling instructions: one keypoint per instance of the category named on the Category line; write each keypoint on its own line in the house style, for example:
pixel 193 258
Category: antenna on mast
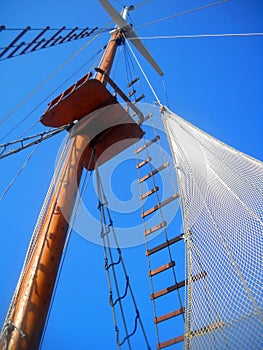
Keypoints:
pixel 129 33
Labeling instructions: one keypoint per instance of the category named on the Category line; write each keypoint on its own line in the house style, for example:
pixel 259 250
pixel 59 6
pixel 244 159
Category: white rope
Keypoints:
pixel 197 36
pixel 182 13
pixel 145 76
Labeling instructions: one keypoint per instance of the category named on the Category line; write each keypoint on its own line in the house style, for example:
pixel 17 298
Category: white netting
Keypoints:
pixel 222 199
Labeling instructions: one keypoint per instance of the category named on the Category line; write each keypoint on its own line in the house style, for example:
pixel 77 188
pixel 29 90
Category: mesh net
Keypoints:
pixel 222 196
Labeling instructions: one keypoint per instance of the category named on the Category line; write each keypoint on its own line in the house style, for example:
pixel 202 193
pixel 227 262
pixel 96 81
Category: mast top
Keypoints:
pixel 129 33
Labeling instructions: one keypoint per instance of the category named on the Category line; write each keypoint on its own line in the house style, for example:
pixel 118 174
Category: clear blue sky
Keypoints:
pixel 215 83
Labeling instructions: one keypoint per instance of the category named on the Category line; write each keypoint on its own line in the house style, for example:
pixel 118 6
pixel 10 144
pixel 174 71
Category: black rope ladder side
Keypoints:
pixel 111 264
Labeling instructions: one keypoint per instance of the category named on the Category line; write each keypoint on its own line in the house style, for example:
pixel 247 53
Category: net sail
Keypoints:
pixel 222 204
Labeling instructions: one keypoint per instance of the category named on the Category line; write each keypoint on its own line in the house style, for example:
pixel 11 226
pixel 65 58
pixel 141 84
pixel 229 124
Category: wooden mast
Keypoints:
pixel 27 314
pixel 26 321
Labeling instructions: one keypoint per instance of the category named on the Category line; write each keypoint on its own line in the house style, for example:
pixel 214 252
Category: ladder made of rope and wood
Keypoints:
pixel 164 248
pixel 149 176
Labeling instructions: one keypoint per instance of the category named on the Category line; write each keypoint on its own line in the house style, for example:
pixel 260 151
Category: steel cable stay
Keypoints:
pixel 107 229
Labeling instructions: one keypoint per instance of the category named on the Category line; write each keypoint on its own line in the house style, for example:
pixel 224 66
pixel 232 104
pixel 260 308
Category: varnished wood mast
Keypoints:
pixel 34 296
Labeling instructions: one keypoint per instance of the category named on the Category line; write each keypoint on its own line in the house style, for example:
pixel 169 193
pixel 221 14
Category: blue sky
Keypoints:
pixel 215 83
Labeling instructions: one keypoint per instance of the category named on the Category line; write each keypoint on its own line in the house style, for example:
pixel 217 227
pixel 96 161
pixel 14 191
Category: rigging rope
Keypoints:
pixel 41 137
pixel 35 234
pixel 182 13
pixel 198 36
pixel 45 99
pixel 54 73
pixel 2 27
pixel 164 234
pixel 144 74
pixel 19 47
pixel 19 172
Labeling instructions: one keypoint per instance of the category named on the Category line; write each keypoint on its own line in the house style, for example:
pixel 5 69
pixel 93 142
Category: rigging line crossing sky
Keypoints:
pixel 197 36
pixel 182 13
pixel 143 72
pixel 53 74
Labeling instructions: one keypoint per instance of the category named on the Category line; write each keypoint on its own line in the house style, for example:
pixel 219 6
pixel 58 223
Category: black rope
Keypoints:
pixel 121 297
pixel 104 210
pixel 134 329
pixel 42 137
pixel 2 28
pixel 107 267
pixel 63 35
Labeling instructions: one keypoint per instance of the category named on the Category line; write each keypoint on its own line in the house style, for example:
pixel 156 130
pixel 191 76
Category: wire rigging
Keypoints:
pixel 198 36
pixel 182 13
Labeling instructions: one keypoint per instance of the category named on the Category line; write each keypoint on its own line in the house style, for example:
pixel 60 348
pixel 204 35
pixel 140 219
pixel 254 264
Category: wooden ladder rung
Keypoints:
pixel 155 228
pixel 138 99
pixel 167 290
pixel 133 81
pixel 169 315
pixel 138 150
pixel 161 268
pixel 149 193
pixel 152 173
pixel 131 93
pixel 164 245
pixel 142 163
pixel 177 286
pixel 170 342
pixel 159 205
